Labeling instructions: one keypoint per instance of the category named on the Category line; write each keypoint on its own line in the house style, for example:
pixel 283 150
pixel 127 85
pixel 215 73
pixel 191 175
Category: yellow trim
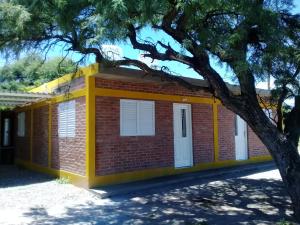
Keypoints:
pixel 61 98
pixel 90 91
pixel 70 96
pixel 50 86
pixel 216 132
pixel 33 105
pixel 90 128
pixel 153 96
pixel 267 105
pixel 31 134
pixel 73 178
pixel 49 134
pixel 151 173
pixel 261 158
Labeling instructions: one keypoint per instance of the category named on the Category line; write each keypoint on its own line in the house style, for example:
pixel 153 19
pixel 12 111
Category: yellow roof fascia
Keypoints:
pixel 52 85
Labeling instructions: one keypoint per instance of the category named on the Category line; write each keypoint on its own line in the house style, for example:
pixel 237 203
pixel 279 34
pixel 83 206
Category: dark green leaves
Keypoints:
pixel 32 71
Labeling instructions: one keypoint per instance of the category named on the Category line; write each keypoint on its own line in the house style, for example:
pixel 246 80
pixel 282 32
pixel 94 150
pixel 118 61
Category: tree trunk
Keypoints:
pixel 281 147
pixel 283 151
pixel 287 160
pixel 292 123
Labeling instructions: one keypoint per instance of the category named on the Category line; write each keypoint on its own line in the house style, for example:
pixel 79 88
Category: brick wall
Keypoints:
pixel 256 147
pixel 120 154
pixel 22 144
pixel 203 135
pixel 162 88
pixel 226 138
pixel 115 154
pixel 40 136
pixel 75 84
pixel 69 153
pixel 226 134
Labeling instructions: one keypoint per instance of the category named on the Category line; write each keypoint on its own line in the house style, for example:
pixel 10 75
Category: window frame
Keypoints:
pixel 21 124
pixel 139 130
pixel 66 106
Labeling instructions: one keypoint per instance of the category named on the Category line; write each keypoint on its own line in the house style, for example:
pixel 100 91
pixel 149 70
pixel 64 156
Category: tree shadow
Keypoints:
pixel 225 201
pixel 12 176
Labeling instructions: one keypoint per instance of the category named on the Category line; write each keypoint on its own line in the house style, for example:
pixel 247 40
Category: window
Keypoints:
pixel 7 132
pixel 183 122
pixel 21 124
pixel 66 119
pixel 137 118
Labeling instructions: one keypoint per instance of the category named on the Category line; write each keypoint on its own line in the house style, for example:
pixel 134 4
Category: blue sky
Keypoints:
pixel 150 35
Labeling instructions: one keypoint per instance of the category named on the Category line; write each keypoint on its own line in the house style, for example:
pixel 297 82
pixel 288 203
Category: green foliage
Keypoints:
pixel 63 180
pixel 32 71
pixel 254 39
pixel 257 36
pixel 284 222
pixel 89 23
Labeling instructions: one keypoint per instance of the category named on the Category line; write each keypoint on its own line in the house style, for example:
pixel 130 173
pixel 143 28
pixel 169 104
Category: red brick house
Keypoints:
pixel 105 126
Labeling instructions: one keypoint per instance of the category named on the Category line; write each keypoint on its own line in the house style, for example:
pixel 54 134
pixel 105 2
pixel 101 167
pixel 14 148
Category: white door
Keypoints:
pixel 183 148
pixel 241 146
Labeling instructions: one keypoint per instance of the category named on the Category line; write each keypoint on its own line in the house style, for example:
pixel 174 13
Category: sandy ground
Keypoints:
pixel 31 198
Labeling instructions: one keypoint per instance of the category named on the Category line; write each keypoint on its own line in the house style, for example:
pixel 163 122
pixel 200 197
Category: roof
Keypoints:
pixel 54 84
pixel 16 98
pixel 125 74
pixel 133 75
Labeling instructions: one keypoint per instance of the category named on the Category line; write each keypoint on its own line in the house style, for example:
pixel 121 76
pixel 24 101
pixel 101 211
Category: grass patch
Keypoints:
pixel 284 222
pixel 63 180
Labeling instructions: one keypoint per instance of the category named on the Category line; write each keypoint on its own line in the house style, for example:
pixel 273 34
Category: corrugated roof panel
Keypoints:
pixel 17 98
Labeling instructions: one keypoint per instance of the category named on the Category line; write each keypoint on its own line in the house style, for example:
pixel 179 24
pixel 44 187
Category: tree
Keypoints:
pixel 254 38
pixel 32 71
pixel 285 69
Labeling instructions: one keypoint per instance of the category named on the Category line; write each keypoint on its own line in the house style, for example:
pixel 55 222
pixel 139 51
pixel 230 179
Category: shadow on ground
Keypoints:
pixel 228 201
pixel 13 176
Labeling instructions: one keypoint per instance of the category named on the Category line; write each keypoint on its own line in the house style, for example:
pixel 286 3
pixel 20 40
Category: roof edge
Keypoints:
pixel 97 70
pixel 81 72
pixel 134 74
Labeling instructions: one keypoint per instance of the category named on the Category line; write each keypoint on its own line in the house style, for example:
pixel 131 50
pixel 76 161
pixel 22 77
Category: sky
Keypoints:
pixel 176 68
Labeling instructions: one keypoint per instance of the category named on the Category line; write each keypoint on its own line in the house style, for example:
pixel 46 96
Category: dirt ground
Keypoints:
pixel 237 198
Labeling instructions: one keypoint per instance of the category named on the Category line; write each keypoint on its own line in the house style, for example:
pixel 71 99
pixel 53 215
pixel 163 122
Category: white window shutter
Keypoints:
pixel 71 119
pixel 128 117
pixel 21 124
pixel 62 120
pixel 67 119
pixel 146 118
pixel 137 118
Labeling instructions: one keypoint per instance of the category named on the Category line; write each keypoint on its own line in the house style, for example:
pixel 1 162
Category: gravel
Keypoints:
pixel 23 192
pixel 32 198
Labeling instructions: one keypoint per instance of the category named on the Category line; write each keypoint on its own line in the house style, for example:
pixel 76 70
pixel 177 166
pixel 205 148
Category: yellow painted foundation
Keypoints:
pixel 75 179
pixel 159 172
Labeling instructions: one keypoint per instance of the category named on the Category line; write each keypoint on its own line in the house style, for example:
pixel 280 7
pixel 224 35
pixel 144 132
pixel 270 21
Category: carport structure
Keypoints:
pixel 8 101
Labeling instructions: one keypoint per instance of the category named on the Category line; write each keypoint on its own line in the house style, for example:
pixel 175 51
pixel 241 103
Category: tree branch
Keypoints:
pixel 199 63
pixel 154 72
pixel 170 53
